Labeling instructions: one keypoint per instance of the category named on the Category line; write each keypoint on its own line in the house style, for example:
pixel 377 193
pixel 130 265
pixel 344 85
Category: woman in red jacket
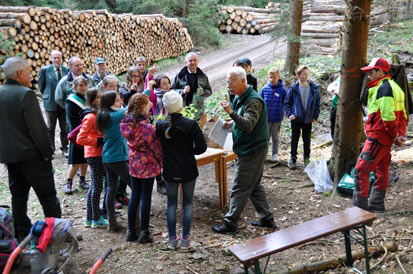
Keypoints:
pixel 92 140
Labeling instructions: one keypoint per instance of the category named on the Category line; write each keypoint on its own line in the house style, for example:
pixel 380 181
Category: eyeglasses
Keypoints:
pixel 136 76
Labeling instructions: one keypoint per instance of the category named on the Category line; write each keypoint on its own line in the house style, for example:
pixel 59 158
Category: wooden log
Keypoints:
pixel 338 9
pixel 337 18
pixel 266 21
pixel 243 22
pixel 10 23
pixel 30 10
pixel 228 29
pixel 320 35
pixel 24 17
pixel 260 10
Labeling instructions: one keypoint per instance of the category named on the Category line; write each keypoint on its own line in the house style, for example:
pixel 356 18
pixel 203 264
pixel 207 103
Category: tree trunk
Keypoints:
pixel 293 49
pixel 349 123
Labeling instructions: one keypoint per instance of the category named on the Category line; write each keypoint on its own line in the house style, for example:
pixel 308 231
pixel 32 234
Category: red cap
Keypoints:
pixel 377 63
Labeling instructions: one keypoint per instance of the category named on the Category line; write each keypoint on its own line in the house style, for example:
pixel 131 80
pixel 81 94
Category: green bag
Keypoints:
pixel 346 185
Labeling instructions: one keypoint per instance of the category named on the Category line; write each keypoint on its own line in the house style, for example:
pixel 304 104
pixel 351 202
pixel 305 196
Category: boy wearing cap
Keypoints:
pixel 246 64
pixel 386 125
pixel 101 72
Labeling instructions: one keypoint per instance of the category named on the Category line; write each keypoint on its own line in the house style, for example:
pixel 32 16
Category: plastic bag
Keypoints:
pixel 319 175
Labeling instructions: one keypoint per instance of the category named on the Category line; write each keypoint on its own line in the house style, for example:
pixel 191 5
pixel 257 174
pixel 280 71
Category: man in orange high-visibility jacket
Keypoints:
pixel 386 125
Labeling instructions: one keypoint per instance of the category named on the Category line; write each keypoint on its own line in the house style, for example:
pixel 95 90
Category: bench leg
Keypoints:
pixel 257 269
pixel 347 243
pixel 366 250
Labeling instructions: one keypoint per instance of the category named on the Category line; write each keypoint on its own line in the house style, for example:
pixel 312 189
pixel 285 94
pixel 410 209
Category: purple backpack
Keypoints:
pixel 7 241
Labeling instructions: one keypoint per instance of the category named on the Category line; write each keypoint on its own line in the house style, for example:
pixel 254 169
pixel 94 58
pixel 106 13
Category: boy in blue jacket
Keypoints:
pixel 274 95
pixel 302 106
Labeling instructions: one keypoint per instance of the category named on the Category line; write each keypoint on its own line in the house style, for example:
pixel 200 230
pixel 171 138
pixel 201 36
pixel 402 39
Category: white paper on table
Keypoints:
pixel 218 133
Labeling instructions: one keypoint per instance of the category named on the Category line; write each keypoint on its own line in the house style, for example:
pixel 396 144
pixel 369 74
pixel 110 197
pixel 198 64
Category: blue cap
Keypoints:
pixel 245 61
pixel 100 60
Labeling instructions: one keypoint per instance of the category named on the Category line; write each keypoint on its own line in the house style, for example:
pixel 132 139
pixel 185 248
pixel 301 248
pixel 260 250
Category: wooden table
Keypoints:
pixel 220 158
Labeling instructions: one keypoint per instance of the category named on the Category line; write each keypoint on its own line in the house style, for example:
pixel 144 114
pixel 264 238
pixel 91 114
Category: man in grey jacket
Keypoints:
pixel 49 76
pixel 65 86
pixel 25 146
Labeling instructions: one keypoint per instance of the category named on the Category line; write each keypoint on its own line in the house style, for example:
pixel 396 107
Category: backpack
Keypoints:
pixel 7 242
pixel 63 242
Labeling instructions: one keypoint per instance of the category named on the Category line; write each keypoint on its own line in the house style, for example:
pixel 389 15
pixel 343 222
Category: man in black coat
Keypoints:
pixel 25 146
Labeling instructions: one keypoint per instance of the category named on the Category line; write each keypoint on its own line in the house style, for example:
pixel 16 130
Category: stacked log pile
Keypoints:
pixel 322 27
pixel 119 38
pixel 247 20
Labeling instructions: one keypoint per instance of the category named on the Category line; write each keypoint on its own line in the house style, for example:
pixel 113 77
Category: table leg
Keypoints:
pixel 347 244
pixel 218 177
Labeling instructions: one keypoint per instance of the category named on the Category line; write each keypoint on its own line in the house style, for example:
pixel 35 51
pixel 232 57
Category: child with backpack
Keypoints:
pixel 145 163
pixel 274 95
pixel 92 140
pixel 115 150
pixel 181 139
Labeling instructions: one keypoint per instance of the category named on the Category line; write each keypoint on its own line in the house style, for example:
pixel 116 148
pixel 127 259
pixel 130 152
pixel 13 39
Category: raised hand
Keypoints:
pixel 226 105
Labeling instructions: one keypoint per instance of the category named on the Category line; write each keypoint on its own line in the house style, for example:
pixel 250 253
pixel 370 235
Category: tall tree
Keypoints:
pixel 349 123
pixel 293 48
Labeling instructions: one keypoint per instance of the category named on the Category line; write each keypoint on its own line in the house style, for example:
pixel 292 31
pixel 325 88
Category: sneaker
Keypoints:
pixel 88 223
pixel 291 164
pixel 275 158
pixel 123 200
pixel 118 205
pixel 224 228
pixel 100 223
pixel 145 236
pixel 83 184
pixel 131 236
pixel 173 243
pixel 186 243
pixel 67 188
pixel 306 161
pixel 65 152
pixel 265 223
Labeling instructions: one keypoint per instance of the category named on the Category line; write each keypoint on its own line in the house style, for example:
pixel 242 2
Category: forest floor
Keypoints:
pixel 290 195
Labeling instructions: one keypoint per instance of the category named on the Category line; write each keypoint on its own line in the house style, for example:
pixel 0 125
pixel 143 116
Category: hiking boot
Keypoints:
pixel 291 164
pixel 161 187
pixel 186 243
pixel 376 200
pixel 361 202
pixel 265 223
pixel 131 236
pixel 145 236
pixel 224 228
pixel 114 226
pixel 306 161
pixel 173 243
pixel 100 223
pixel 88 223
pixel 83 184
pixel 67 188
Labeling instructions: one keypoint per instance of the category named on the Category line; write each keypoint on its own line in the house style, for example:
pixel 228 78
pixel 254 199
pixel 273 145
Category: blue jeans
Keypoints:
pixel 141 193
pixel 188 195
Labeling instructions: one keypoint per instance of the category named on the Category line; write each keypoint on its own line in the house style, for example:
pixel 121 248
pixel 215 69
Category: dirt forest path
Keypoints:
pixel 259 49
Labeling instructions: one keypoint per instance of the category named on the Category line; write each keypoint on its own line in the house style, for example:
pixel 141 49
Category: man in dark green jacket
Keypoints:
pixel 25 146
pixel 250 136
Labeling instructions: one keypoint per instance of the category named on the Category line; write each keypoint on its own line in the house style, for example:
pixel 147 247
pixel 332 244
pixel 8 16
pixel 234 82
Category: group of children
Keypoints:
pixel 118 141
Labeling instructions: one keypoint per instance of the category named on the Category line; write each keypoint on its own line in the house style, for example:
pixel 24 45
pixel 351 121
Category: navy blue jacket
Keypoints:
pixel 274 96
pixel 294 104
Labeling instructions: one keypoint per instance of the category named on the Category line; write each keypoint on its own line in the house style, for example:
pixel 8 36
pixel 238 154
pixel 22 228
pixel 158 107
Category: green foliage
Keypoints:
pixel 6 48
pixel 212 105
pixel 397 37
pixel 200 22
pixel 39 3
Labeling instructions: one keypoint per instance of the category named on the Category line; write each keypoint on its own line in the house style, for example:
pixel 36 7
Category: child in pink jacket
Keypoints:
pixel 145 163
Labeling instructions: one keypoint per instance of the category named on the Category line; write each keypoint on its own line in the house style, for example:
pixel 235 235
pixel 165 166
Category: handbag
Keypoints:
pixel 72 136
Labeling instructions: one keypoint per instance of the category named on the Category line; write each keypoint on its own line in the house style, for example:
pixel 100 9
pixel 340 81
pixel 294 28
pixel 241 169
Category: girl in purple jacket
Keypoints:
pixel 145 163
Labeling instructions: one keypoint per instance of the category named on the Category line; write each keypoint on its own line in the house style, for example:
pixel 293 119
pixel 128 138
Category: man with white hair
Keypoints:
pixel 25 146
pixel 250 136
pixel 192 83
pixel 49 76
pixel 65 86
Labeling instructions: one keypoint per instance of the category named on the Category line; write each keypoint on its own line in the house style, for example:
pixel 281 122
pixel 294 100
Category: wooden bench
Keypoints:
pixel 344 221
